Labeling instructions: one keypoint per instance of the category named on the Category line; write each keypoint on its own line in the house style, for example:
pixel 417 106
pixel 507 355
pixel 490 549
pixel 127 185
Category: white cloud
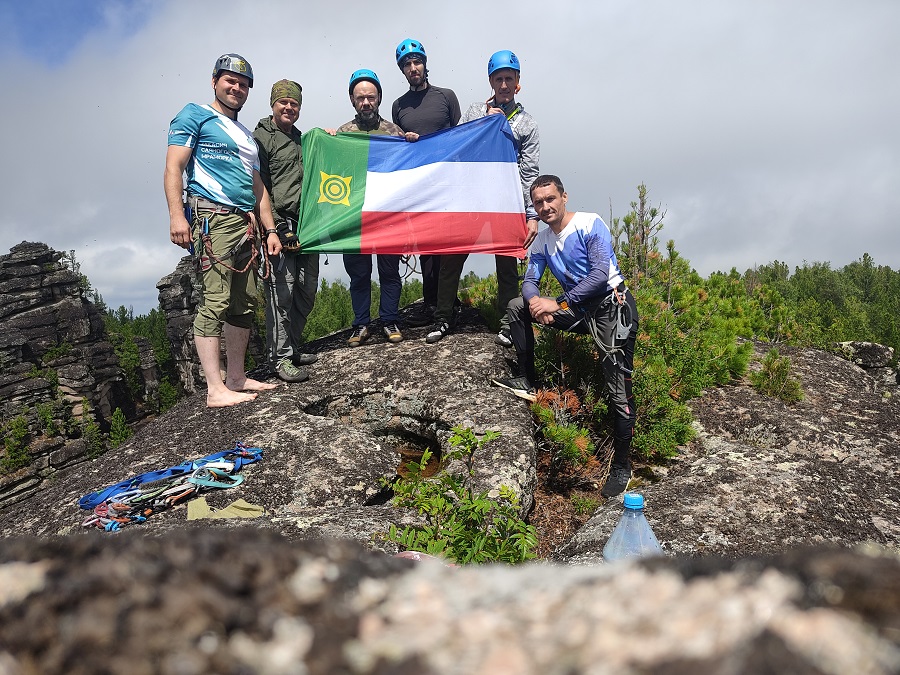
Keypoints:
pixel 766 129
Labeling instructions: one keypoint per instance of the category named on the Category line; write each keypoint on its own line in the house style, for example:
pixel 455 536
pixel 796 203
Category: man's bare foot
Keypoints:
pixel 248 384
pixel 226 397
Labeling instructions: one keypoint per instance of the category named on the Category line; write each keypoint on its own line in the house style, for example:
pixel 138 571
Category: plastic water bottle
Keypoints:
pixel 632 537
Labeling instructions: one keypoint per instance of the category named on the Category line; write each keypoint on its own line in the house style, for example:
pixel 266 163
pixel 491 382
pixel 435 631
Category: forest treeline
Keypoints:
pixel 689 331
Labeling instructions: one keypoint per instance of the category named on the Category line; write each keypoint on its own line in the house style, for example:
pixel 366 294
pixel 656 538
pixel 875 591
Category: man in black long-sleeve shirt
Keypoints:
pixel 422 110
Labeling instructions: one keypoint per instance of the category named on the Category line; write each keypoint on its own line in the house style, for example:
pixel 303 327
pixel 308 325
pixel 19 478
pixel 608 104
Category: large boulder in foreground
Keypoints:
pixel 197 602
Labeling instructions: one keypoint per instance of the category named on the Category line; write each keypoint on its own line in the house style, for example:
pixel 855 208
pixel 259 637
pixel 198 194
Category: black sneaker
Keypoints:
pixel 504 338
pixel 288 372
pixel 437 332
pixel 422 317
pixel 304 359
pixel 520 386
pixel 617 483
pixel 359 335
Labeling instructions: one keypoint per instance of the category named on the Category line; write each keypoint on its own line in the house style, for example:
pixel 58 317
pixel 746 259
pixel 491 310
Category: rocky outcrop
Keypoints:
pixel 55 355
pixel 874 358
pixel 245 601
pixel 178 299
pixel 764 476
pixel 330 442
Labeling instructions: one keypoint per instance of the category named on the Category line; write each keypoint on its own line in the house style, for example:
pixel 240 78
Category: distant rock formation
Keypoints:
pixel 55 353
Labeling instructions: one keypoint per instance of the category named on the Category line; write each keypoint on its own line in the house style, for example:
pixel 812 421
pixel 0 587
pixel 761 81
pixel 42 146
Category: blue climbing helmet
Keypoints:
pixel 410 47
pixel 233 63
pixel 503 59
pixel 367 75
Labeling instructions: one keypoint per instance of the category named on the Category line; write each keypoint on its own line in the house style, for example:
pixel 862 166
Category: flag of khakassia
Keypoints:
pixel 454 191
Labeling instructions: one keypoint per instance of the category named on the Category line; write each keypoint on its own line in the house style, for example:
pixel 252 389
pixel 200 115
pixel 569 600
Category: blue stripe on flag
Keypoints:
pixel 487 139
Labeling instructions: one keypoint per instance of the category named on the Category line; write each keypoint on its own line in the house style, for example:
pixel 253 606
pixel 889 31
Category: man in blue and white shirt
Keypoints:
pixel 577 248
pixel 225 195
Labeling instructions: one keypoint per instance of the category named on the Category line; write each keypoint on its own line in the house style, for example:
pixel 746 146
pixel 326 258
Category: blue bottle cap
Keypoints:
pixel 633 500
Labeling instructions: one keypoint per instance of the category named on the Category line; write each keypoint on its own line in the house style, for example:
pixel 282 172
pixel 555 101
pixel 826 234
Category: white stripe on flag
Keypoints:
pixel 451 187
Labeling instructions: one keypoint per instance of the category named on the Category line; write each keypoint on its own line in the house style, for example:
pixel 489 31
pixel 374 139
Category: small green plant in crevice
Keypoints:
pixel 774 378
pixel 46 417
pixel 57 352
pixel 560 415
pixel 460 524
pixel 15 447
pixel 119 431
pixel 584 506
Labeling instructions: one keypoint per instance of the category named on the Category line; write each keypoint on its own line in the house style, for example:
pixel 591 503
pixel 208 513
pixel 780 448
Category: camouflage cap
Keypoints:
pixel 286 89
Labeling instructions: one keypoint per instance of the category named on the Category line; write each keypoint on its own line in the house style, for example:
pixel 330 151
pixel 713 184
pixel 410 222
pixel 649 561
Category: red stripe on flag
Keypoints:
pixel 442 233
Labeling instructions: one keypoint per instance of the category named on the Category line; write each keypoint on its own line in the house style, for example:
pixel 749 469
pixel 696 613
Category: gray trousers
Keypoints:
pixel 290 293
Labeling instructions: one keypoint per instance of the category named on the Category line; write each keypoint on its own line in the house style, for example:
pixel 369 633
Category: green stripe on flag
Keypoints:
pixel 334 188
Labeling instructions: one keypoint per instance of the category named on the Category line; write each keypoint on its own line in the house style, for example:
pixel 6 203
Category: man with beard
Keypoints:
pixel 293 281
pixel 422 110
pixel 225 195
pixel 503 76
pixel 365 96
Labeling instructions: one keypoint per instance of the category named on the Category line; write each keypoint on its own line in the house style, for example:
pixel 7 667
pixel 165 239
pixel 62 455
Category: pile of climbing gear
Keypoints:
pixel 136 499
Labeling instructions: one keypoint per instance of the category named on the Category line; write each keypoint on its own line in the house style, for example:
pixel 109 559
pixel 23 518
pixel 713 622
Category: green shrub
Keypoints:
pixel 560 414
pixel 46 417
pixel 119 431
pixel 57 351
pixel 774 378
pixel 584 506
pixel 460 524
pixel 168 393
pixel 91 433
pixel 15 435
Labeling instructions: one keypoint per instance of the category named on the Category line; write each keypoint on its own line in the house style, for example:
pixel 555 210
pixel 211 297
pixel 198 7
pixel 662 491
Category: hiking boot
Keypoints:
pixel 288 372
pixel 423 317
pixel 359 335
pixel 520 386
pixel 304 359
pixel 437 332
pixel 617 482
pixel 504 338
pixel 392 333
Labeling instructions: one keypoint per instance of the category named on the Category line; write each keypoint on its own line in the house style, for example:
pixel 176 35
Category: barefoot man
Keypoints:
pixel 225 197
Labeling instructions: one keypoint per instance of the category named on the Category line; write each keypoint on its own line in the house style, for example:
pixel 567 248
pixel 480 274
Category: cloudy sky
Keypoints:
pixel 767 129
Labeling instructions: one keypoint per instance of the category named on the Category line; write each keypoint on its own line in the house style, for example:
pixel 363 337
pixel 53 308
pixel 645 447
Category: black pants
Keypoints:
pixel 451 272
pixel 616 369
pixel 431 269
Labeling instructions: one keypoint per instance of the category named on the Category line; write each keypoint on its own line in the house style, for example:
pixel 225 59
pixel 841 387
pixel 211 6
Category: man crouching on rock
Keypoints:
pixel 223 189
pixel 577 248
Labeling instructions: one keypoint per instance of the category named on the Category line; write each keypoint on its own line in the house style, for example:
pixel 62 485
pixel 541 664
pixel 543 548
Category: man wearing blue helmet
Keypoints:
pixel 365 95
pixel 422 110
pixel 503 75
pixel 225 196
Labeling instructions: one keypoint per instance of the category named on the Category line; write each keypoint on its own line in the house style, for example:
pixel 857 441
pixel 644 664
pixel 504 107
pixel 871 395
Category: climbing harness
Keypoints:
pixel 205 258
pixel 412 266
pixel 610 336
pixel 137 498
